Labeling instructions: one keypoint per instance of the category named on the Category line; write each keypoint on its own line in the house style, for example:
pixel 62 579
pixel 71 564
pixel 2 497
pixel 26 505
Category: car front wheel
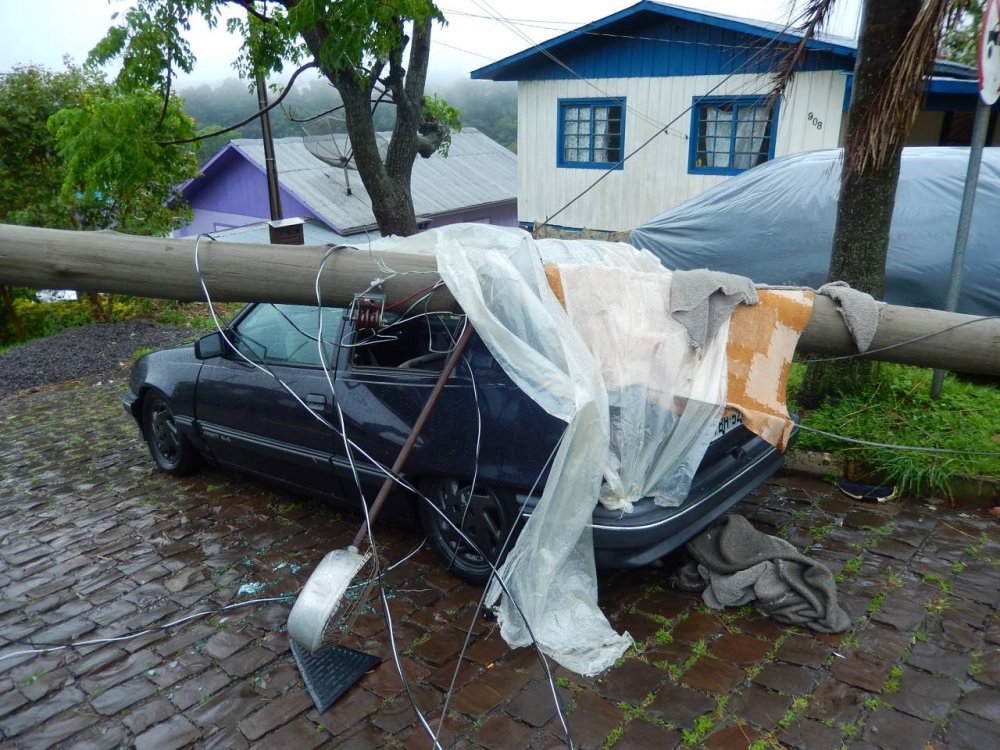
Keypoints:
pixel 171 450
pixel 485 515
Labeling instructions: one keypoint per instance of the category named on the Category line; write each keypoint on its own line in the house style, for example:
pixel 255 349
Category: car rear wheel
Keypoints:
pixel 171 450
pixel 485 515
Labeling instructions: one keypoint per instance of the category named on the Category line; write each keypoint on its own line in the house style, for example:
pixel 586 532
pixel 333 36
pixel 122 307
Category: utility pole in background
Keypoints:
pixel 273 191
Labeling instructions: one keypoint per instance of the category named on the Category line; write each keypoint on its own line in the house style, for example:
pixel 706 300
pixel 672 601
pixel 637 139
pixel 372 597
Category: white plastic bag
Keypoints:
pixel 639 404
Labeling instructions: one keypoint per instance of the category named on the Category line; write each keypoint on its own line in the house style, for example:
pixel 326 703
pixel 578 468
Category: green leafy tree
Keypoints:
pixel 31 171
pixel 370 50
pixel 75 154
pixel 961 41
pixel 116 169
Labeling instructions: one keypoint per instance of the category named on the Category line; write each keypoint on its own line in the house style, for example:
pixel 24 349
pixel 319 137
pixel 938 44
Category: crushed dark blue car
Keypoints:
pixel 204 402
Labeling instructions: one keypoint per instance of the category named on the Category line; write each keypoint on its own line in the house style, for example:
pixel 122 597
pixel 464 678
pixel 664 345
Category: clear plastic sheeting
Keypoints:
pixel 640 408
pixel 661 393
pixel 774 224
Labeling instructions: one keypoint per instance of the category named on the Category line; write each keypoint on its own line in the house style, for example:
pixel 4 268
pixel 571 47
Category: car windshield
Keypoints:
pixel 287 334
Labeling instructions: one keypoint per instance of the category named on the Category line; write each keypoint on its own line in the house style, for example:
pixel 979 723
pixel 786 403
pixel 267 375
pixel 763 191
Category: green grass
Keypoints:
pixel 898 410
pixel 699 731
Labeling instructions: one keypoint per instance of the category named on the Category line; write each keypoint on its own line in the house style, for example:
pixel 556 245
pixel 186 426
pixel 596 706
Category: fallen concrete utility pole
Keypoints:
pixel 233 272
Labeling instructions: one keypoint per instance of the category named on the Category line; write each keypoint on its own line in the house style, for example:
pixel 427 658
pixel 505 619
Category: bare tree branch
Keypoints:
pixel 166 93
pixel 255 115
pixel 293 118
pixel 247 5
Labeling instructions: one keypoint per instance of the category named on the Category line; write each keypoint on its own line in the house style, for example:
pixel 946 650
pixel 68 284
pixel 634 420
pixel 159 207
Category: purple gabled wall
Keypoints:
pixel 233 192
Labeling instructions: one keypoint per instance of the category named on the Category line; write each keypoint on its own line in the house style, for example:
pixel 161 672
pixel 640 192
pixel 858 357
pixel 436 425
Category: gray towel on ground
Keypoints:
pixel 735 564
pixel 859 310
pixel 703 300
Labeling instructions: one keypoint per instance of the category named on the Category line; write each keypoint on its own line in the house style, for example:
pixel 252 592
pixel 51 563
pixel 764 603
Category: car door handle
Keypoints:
pixel 316 401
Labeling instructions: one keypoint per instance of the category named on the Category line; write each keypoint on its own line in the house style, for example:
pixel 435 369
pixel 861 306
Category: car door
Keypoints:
pixel 383 381
pixel 253 422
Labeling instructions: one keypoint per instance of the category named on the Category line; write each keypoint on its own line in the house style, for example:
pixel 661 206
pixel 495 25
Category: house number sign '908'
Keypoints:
pixel 817 123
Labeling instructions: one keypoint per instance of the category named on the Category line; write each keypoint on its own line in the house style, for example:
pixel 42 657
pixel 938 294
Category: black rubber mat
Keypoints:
pixel 331 672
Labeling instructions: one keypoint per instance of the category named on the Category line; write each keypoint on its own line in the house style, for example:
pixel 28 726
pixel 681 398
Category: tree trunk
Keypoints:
pixel 391 200
pixel 388 182
pixel 96 308
pixel 867 198
pixel 15 319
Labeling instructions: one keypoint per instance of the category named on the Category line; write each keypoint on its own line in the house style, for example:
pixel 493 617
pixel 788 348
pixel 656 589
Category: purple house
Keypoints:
pixel 477 182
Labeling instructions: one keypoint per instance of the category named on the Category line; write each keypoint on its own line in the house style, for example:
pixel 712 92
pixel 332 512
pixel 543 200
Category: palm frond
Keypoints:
pixel 887 122
pixel 810 20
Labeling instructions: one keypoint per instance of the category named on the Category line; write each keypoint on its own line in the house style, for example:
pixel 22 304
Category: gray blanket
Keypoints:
pixel 859 310
pixel 703 300
pixel 734 564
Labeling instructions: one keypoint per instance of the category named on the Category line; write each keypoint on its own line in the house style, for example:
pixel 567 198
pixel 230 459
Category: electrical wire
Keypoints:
pixel 386 614
pixel 438 42
pixel 482 600
pixel 575 28
pixel 325 422
pixel 869 352
pixel 893 446
pixel 348 444
pixel 42 647
pixel 407 298
pixel 765 49
pixel 475 471
pixel 485 6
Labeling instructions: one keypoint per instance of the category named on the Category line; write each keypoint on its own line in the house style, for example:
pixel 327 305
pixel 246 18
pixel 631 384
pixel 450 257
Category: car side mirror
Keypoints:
pixel 210 346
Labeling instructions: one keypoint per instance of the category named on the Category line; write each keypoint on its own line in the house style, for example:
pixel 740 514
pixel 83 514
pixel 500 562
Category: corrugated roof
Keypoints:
pixel 314 233
pixel 477 172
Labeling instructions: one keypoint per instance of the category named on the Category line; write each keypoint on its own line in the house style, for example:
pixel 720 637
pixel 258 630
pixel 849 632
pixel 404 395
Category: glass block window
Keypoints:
pixel 591 133
pixel 731 135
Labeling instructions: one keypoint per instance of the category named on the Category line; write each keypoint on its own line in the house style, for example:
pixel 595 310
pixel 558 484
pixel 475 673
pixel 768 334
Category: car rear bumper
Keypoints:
pixel 627 540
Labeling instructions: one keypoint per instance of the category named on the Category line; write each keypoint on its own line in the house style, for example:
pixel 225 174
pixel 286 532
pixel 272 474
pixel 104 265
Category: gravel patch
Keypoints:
pixel 79 352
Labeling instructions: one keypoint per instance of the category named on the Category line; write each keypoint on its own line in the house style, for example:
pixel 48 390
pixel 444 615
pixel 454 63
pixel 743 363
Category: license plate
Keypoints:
pixel 728 422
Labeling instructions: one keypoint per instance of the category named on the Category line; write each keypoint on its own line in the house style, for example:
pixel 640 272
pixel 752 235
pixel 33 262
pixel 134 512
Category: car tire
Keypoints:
pixel 487 522
pixel 171 451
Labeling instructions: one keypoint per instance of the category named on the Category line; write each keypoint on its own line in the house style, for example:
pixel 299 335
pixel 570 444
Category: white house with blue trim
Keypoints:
pixel 588 99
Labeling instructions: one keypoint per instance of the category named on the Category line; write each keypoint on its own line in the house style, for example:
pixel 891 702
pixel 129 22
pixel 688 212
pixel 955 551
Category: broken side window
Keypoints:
pixel 420 342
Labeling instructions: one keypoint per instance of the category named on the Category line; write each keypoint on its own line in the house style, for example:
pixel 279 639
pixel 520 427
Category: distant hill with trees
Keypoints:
pixel 488 106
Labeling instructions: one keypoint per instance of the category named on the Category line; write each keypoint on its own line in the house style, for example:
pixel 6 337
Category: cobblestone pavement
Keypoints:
pixel 94 543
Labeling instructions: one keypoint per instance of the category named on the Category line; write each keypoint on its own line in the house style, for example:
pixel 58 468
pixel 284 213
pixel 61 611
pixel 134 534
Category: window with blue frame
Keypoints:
pixel 731 135
pixel 591 133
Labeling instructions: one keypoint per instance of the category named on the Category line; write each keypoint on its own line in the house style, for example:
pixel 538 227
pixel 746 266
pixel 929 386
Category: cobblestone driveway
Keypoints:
pixel 94 543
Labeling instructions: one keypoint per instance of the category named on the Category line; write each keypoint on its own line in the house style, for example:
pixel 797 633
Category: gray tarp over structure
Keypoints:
pixel 774 224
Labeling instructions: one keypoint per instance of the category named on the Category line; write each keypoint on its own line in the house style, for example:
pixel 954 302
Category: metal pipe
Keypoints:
pixel 270 164
pixel 979 128
pixel 418 426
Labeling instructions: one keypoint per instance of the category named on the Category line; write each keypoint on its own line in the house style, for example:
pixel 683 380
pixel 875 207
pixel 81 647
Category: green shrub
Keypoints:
pixel 45 318
pixel 898 410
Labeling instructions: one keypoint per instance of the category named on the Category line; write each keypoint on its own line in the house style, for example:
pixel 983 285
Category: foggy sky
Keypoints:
pixel 43 31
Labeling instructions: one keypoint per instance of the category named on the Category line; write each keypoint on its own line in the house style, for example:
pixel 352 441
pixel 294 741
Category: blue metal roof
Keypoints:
pixel 654 39
pixel 941 94
pixel 651 39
